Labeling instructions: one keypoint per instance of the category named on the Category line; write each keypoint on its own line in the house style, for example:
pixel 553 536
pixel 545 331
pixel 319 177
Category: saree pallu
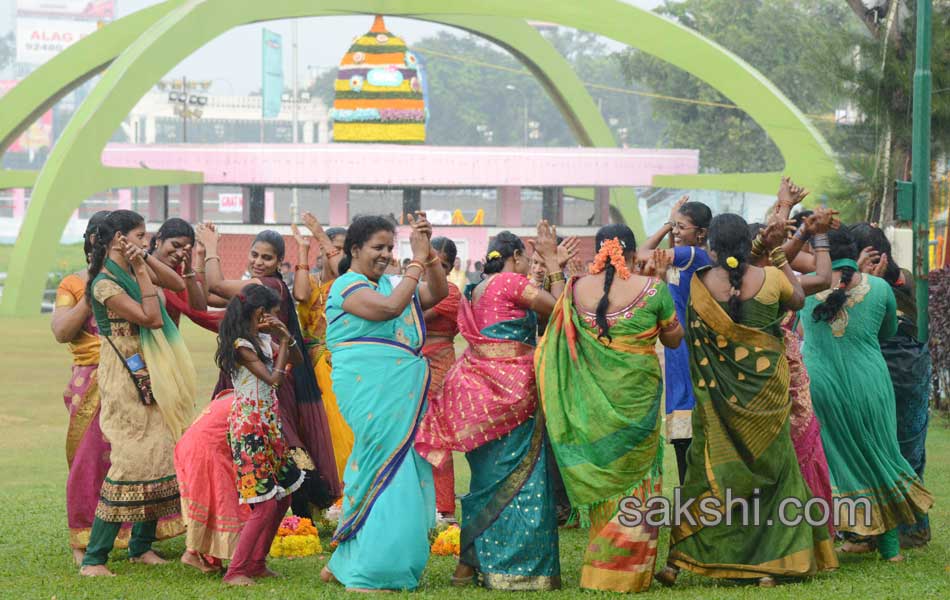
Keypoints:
pixel 805 428
pixel 176 303
pixel 381 381
pixel 210 509
pixel 741 443
pixel 602 406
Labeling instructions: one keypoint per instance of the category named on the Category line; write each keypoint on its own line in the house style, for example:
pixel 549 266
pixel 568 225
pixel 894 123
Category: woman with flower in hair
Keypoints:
pixel 854 398
pixel 741 442
pixel 601 386
pixel 489 409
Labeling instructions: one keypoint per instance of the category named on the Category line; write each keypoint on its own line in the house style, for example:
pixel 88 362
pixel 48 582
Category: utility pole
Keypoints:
pixel 920 165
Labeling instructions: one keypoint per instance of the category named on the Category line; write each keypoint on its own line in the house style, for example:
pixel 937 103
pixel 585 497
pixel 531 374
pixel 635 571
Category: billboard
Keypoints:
pixel 230 203
pixel 80 9
pixel 40 133
pixel 272 78
pixel 38 40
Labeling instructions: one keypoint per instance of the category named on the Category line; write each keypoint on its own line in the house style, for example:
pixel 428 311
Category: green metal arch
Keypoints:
pixel 74 171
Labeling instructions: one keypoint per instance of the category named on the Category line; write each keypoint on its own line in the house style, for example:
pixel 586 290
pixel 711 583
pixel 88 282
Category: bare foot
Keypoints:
pixel 149 558
pixel 96 571
pixel 463 575
pixel 327 576
pixel 240 580
pixel 766 582
pixel 194 560
pixel 78 555
pixel 896 559
pixel 667 575
pixel 855 548
pixel 267 573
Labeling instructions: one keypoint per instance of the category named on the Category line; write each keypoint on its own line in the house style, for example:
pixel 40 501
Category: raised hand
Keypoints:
pixel 575 267
pixel 186 259
pixel 822 221
pixel 546 241
pixel 567 250
pixel 316 229
pixel 881 267
pixel 676 208
pixel 419 238
pixel 298 237
pixel 660 261
pixel 208 236
pixel 867 259
pixel 134 254
pixel 274 326
pixel 776 232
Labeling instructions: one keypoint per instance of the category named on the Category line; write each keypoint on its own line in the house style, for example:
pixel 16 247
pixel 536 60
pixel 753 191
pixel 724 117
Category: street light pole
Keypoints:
pixel 920 164
pixel 525 99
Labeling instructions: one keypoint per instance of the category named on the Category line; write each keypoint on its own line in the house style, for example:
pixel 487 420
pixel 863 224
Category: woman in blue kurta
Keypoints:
pixel 375 331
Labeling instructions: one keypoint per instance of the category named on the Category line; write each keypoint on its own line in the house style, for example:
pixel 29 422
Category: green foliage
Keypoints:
pixel 792 42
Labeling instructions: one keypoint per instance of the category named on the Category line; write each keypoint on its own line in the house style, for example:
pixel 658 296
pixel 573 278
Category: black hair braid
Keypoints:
pixel 88 237
pixel 729 238
pixel 237 324
pixel 447 247
pixel 841 245
pixel 601 315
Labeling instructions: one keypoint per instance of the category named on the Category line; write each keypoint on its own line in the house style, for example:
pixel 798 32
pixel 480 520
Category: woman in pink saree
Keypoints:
pixel 489 409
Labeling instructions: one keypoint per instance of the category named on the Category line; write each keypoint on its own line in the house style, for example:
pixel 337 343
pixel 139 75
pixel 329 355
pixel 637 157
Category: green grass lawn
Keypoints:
pixel 35 561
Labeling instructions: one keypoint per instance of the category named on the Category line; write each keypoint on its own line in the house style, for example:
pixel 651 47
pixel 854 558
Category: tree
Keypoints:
pixel 790 41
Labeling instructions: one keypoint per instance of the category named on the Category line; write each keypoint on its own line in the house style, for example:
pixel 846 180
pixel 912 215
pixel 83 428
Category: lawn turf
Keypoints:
pixel 35 561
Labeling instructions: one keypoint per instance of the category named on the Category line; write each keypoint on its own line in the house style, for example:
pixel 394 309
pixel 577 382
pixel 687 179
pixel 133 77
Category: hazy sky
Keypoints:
pixel 234 59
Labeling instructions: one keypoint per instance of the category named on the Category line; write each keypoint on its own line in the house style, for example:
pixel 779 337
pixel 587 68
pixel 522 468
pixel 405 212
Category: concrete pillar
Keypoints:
pixel 411 201
pixel 552 205
pixel 151 130
pixel 602 205
pixel 157 203
pixel 270 213
pixel 339 205
pixel 19 203
pixel 508 207
pixel 253 204
pixel 323 131
pixel 191 202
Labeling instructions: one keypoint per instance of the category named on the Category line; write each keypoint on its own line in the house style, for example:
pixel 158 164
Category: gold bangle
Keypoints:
pixel 207 258
pixel 434 258
pixel 200 271
pixel 416 263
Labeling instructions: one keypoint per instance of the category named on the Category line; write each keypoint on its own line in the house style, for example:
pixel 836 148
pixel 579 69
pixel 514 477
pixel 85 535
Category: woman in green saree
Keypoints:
pixel 601 387
pixel 376 332
pixel 741 440
pixel 854 399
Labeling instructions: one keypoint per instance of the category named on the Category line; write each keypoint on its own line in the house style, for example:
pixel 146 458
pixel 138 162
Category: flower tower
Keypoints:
pixel 379 95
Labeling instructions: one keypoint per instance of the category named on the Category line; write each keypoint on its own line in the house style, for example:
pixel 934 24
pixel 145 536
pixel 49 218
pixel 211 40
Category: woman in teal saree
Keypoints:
pixel 376 332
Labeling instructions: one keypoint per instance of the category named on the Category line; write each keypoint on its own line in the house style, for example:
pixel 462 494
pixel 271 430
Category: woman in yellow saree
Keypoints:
pixel 601 388
pixel 741 440
pixel 311 293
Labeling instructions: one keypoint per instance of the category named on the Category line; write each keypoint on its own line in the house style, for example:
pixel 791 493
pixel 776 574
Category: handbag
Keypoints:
pixel 140 379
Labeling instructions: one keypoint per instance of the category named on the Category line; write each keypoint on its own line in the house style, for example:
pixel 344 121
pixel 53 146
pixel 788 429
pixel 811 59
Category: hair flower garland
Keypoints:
pixel 611 251
pixel 494 254
pixel 448 542
pixel 733 262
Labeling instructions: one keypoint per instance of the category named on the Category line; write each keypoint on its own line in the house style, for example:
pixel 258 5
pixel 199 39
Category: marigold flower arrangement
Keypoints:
pixel 448 542
pixel 295 538
pixel 610 251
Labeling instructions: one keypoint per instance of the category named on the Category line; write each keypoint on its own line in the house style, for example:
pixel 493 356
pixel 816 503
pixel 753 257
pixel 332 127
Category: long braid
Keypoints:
pixel 601 316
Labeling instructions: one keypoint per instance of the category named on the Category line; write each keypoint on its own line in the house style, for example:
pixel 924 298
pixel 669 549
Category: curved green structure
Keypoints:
pixel 134 52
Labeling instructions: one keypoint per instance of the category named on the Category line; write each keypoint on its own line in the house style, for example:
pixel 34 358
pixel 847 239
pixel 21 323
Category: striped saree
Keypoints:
pixel 741 444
